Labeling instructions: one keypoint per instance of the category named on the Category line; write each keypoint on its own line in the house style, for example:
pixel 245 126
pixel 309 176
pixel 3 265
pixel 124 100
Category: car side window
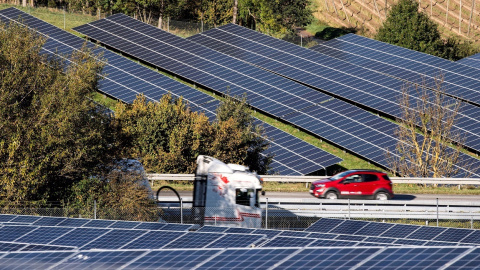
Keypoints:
pixel 370 177
pixel 355 178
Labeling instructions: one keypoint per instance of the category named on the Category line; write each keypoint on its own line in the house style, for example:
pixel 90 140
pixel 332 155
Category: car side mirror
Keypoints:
pixel 263 193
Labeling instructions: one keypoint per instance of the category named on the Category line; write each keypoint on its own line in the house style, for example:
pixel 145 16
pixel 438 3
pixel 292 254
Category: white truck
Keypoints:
pixel 226 194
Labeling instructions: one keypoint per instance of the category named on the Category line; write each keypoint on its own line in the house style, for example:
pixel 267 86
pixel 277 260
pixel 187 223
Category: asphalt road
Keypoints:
pixel 187 195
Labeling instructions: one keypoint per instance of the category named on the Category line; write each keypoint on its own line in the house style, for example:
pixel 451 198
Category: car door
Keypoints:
pixel 348 187
pixel 369 184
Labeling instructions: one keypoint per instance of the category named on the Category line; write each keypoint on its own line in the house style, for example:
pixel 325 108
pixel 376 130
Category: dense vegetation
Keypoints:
pixel 407 27
pixel 57 144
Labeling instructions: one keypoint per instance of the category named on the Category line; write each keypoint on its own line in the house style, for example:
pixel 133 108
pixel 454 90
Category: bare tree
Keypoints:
pixel 428 144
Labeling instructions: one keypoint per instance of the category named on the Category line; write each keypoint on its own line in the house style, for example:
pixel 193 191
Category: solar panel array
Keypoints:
pixel 335 76
pixel 126 79
pixel 339 122
pixel 471 61
pixel 342 244
pixel 367 53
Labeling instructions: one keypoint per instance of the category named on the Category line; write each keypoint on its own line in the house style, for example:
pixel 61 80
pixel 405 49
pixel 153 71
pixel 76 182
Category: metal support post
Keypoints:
pixel 266 214
pixel 181 210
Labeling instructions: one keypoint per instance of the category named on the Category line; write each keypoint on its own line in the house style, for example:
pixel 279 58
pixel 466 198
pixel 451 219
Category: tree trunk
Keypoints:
pixel 235 10
pixel 24 3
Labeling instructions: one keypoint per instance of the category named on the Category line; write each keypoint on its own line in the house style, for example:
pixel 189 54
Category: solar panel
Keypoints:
pixel 79 237
pixel 324 225
pixel 10 233
pixel 4 246
pixel 237 241
pixel 267 232
pixel 374 228
pixel 43 235
pixel 6 218
pixel 99 260
pixel 415 258
pixel 382 240
pixel 45 248
pixel 287 241
pixel 473 238
pixel 410 242
pixel 73 222
pixel 349 227
pixel 453 235
pixel 193 240
pixel 332 243
pixel 294 233
pixel 177 227
pixel 247 259
pixel 32 260
pixel 150 226
pixel 125 224
pixel 337 77
pixel 322 235
pixel 126 79
pixel 469 260
pixel 265 91
pixel 327 258
pixel 98 223
pixel 208 228
pixel 400 231
pixel 114 239
pixel 350 238
pixel 154 240
pixel 172 259
pixel 239 230
pixel 48 221
pixel 426 233
pixel 25 219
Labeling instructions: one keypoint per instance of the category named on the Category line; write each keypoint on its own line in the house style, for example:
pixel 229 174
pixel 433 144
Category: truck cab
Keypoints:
pixel 226 194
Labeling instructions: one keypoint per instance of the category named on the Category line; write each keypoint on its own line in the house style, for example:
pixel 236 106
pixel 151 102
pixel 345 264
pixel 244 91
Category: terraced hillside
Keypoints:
pixel 454 17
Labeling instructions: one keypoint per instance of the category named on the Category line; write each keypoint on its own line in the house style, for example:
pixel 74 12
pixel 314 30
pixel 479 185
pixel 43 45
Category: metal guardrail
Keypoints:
pixel 309 179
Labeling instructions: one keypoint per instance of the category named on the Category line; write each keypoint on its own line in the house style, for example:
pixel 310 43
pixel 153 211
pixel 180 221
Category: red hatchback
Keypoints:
pixel 370 184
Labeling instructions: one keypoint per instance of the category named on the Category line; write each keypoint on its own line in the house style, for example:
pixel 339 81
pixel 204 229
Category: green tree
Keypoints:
pixel 407 27
pixel 52 135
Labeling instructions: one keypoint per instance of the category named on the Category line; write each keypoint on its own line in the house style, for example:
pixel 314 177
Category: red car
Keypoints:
pixel 370 184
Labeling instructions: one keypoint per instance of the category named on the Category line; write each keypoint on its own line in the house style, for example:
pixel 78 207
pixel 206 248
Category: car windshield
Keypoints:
pixel 339 175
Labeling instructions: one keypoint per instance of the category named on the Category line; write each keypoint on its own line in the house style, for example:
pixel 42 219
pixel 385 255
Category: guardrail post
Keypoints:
pixel 348 208
pixel 181 210
pixel 266 214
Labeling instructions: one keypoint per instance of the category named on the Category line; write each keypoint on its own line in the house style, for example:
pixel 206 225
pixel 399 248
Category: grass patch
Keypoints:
pixel 315 27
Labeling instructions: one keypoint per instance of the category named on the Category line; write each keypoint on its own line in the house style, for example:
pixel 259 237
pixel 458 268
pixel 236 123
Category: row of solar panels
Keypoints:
pixel 309 109
pixel 254 258
pixel 355 79
pixel 126 79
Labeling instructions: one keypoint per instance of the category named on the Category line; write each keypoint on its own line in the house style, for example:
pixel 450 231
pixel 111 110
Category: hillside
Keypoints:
pixel 454 17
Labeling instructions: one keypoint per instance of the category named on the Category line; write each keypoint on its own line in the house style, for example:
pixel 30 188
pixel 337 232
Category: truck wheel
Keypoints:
pixel 331 195
pixel 382 196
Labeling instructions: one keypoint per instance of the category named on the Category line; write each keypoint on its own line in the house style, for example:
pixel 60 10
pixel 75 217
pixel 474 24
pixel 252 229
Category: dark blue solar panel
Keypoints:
pixel 48 221
pixel 237 241
pixel 332 243
pixel 7 218
pixel 43 235
pixel 239 230
pixel 383 240
pixel 374 228
pixel 212 229
pixel 10 233
pixel 268 233
pixel 410 242
pixel 32 260
pixel 412 258
pixel 351 238
pixel 453 235
pixel 246 259
pixel 473 238
pixel 25 219
pixel 331 258
pixel 45 248
pixel 172 259
pixel 114 239
pixel 150 226
pixel 400 231
pixel 287 241
pixel 73 222
pixel 349 227
pixel 324 225
pixel 438 243
pixel 124 224
pixel 177 227
pixel 426 233
pixel 322 235
pixel 11 246
pixel 336 76
pixel 193 240
pixel 154 240
pixel 99 260
pixel 468 261
pixel 295 233
pixel 98 223
pixel 79 237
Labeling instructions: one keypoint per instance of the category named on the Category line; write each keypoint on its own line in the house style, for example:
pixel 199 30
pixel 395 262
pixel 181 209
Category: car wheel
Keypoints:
pixel 382 196
pixel 331 195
